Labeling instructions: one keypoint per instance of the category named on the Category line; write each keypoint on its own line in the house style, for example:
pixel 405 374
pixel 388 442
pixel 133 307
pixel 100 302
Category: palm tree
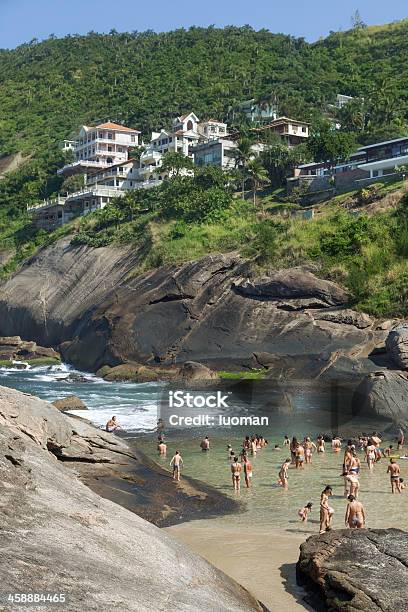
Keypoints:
pixel 243 154
pixel 258 175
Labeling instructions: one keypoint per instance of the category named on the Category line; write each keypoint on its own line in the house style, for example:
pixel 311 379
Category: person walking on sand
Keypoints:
pixel 283 474
pixel 247 471
pixel 394 471
pixel 355 514
pixel 236 469
pixel 326 511
pixel 176 464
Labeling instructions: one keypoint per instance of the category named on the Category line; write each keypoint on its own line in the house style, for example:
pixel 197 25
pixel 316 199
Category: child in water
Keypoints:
pixel 304 512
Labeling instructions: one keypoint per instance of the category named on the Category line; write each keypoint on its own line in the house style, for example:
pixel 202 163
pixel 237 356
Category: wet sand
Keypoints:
pixel 262 560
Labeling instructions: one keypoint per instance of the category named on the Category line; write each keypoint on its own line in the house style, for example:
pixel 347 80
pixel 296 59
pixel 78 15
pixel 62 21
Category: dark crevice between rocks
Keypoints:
pixel 16 462
pixel 172 297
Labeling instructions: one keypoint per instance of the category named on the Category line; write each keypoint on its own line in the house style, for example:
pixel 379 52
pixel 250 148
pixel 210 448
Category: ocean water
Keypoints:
pixel 135 405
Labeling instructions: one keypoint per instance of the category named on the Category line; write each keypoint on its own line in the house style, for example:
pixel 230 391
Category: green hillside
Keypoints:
pixel 145 79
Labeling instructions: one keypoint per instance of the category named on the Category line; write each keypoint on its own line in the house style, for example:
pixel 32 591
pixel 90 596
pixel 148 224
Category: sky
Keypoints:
pixel 23 20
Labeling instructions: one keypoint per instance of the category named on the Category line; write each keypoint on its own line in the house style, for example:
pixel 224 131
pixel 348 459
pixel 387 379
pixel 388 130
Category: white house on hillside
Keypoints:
pixel 100 146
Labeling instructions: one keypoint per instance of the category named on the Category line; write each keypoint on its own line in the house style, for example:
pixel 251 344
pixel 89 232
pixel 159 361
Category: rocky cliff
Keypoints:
pixel 216 310
pixel 356 570
pixel 58 536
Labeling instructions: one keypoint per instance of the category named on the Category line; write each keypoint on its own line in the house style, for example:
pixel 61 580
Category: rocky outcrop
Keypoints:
pixel 13 348
pixel 71 402
pixel 356 570
pixel 62 537
pixel 193 371
pixel 214 311
pixel 397 346
pixel 383 394
pixel 295 283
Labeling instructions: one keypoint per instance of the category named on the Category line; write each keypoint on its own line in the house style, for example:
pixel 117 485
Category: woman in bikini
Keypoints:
pixel 326 511
pixel 236 469
pixel 247 471
pixel 309 449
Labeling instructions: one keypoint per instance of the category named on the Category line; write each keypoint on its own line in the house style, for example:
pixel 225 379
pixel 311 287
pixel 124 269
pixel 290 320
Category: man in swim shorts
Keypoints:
pixel 394 471
pixel 112 425
pixel 176 464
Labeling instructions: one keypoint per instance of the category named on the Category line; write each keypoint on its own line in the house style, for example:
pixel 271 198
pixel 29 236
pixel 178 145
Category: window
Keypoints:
pixel 109 148
pixel 375 173
pixel 170 140
pixel 189 125
pixel 100 134
pixel 110 136
pixel 132 138
pixel 303 129
pixel 120 149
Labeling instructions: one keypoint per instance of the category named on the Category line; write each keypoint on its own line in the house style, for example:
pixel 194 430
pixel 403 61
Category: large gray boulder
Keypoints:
pixel 58 536
pixel 397 346
pixel 295 283
pixel 383 394
pixel 356 570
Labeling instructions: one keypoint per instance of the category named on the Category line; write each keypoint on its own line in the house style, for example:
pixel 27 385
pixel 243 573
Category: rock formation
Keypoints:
pixel 13 348
pixel 383 394
pixel 58 536
pixel 71 402
pixel 397 346
pixel 213 311
pixel 356 570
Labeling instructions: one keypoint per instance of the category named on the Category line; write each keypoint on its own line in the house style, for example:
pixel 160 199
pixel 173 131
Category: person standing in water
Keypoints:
pixel 176 464
pixel 336 444
pixel 309 449
pixel 299 456
pixel 283 474
pixel 293 447
pixel 394 471
pixel 247 471
pixel 370 454
pixel 321 445
pixel 162 448
pixel 326 511
pixel 400 439
pixel 355 514
pixel 205 444
pixel 236 469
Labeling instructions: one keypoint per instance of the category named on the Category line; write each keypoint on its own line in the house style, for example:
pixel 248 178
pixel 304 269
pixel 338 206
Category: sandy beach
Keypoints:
pixel 260 559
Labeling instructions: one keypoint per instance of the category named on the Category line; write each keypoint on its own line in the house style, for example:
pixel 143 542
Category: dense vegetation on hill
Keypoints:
pixel 144 79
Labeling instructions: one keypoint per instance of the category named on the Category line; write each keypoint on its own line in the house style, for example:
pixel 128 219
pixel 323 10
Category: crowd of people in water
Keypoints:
pixel 301 455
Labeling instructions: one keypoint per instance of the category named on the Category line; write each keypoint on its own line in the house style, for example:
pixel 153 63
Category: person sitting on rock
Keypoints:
pixel 112 425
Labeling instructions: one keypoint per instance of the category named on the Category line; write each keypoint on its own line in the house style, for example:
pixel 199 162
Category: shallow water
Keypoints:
pixel 309 411
pixel 267 503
